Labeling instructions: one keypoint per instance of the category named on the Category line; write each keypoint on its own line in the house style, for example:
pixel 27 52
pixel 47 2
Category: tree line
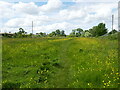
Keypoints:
pixel 95 31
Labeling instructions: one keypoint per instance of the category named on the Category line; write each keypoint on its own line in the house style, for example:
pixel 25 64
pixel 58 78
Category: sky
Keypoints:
pixel 49 15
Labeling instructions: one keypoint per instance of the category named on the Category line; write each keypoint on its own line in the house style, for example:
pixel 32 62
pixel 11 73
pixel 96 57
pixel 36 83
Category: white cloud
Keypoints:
pixel 5 10
pixel 90 13
pixel 79 15
pixel 52 27
pixel 51 5
pixel 72 14
pixel 27 20
pixel 17 22
pixel 27 8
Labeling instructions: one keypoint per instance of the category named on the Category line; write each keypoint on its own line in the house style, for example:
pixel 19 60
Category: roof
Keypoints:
pixel 7 33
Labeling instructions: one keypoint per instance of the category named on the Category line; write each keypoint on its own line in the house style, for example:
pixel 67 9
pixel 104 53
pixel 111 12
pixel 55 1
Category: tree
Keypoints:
pixel 44 34
pixel 41 34
pixel 21 31
pixel 87 34
pixel 76 32
pixel 98 30
pixel 86 30
pixel 62 33
pixel 113 32
pixel 57 32
pixel 72 34
pixel 79 32
pixel 52 34
pixel 15 35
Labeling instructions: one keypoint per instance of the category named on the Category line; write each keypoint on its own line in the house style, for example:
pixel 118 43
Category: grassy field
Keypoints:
pixel 60 63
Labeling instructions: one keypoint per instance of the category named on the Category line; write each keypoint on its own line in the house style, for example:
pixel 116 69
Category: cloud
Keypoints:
pixel 13 23
pixel 51 5
pixel 100 12
pixel 89 13
pixel 68 14
pixel 54 15
pixel 27 8
pixel 52 27
pixel 5 10
pixel 27 20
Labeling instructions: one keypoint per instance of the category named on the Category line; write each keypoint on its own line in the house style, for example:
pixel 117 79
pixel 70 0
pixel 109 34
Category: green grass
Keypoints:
pixel 60 63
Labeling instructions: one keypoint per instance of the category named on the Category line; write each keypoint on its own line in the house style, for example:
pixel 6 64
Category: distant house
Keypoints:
pixel 37 33
pixel 6 34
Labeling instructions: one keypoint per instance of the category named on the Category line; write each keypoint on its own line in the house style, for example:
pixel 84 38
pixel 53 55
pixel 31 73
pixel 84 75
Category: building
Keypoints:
pixel 6 34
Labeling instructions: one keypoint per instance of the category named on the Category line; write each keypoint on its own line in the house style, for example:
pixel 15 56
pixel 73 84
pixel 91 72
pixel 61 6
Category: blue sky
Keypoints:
pixel 56 14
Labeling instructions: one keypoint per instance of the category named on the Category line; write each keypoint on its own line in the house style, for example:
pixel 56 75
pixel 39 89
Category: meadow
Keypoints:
pixel 59 63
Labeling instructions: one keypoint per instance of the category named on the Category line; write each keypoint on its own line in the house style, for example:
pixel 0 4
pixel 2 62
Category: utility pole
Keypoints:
pixel 32 28
pixel 119 16
pixel 112 21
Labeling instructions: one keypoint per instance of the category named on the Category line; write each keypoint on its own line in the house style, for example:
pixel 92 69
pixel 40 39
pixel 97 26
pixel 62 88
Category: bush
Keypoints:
pixel 111 36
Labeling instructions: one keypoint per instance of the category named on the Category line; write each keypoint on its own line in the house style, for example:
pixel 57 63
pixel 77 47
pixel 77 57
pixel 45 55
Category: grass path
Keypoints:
pixel 63 76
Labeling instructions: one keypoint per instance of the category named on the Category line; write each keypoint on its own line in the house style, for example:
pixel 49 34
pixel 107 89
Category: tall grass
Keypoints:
pixel 60 63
